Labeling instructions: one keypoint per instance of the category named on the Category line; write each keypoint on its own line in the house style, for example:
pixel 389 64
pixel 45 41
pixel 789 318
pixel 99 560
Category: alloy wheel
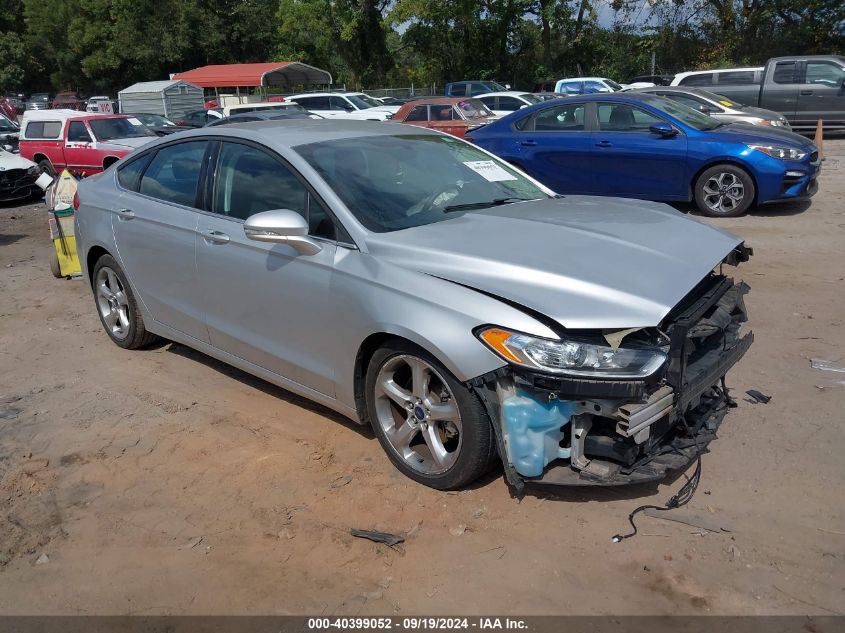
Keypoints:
pixel 112 303
pixel 418 414
pixel 723 192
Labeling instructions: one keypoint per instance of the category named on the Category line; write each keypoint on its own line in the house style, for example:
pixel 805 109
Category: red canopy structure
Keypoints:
pixel 282 74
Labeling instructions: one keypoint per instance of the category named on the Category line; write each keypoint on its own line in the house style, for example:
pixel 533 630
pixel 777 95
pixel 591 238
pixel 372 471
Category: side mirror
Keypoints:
pixel 705 110
pixel 663 129
pixel 507 86
pixel 281 226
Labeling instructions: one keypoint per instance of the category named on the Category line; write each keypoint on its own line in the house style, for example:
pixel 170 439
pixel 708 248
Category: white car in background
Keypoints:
pixel 345 105
pixel 503 103
pixel 588 85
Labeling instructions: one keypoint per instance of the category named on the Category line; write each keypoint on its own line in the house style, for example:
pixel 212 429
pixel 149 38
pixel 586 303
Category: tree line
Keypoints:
pixel 101 46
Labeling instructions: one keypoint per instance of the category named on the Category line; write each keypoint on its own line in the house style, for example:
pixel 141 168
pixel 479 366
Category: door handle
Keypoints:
pixel 806 92
pixel 529 143
pixel 215 236
pixel 125 214
pixel 604 144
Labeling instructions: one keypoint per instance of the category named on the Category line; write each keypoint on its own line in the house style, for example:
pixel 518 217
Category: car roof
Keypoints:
pixel 584 79
pixel 503 93
pixel 715 70
pixel 324 94
pixel 288 133
pixel 63 114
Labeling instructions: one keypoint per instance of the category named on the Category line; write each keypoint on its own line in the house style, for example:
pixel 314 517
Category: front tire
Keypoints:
pixel 432 427
pixel 724 191
pixel 117 307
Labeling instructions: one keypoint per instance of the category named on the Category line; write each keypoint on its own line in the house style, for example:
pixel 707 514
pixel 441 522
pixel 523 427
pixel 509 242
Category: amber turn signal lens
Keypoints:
pixel 495 338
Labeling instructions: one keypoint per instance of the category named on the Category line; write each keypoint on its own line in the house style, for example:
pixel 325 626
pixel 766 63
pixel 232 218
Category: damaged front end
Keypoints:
pixel 565 430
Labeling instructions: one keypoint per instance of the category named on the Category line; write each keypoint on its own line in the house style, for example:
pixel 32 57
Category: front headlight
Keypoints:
pixel 571 357
pixel 784 153
pixel 35 170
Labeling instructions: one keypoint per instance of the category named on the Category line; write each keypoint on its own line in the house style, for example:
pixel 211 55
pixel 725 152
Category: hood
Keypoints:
pixel 761 113
pixel 126 143
pixel 584 261
pixel 743 133
pixel 13 161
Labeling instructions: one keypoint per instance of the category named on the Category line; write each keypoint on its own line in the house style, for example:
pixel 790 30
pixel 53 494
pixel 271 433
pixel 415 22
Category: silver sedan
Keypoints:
pixel 416 283
pixel 719 107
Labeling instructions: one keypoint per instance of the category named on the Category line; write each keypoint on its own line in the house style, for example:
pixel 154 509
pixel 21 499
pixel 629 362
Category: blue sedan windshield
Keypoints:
pixel 693 118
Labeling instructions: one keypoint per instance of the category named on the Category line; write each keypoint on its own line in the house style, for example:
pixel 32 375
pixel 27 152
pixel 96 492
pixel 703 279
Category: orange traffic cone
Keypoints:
pixel 819 138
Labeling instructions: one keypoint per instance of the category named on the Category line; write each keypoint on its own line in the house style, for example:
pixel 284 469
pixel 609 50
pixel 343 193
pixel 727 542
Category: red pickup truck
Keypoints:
pixel 82 143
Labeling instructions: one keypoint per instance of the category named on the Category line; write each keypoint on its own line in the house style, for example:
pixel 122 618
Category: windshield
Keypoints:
pixel 6 125
pixel 495 86
pixel 362 102
pixel 613 84
pixel 109 129
pixel 155 120
pixel 397 182
pixel 473 109
pixel 693 118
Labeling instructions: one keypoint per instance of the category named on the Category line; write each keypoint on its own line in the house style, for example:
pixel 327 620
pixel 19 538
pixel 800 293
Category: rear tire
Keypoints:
pixel 724 191
pixel 432 427
pixel 117 307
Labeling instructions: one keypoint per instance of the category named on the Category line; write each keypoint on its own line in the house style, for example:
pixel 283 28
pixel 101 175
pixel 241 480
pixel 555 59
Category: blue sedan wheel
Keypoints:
pixel 724 191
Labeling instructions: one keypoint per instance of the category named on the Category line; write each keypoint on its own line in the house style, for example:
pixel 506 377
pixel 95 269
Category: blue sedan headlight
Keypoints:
pixel 784 153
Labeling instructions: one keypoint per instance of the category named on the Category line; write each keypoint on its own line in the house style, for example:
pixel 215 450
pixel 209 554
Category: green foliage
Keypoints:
pixel 105 45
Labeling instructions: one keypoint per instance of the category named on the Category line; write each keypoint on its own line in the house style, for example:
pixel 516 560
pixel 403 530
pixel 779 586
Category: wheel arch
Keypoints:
pixel 724 161
pixel 91 257
pixel 370 345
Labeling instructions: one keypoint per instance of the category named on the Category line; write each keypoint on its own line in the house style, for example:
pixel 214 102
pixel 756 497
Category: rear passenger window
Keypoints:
pixel 511 104
pixel 786 73
pixel 129 176
pixel 43 129
pixel 562 118
pixel 736 78
pixel 701 79
pixel 419 113
pixel 442 112
pixel 250 181
pixel 174 173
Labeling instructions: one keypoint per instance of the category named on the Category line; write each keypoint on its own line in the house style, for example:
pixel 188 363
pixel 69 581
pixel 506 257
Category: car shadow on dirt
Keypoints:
pixel 772 210
pixel 264 386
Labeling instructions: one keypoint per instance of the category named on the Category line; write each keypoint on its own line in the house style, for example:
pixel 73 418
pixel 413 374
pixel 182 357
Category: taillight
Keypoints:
pixel 75 201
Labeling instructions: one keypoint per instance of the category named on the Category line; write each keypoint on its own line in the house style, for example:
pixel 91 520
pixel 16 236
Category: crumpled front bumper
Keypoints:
pixel 564 431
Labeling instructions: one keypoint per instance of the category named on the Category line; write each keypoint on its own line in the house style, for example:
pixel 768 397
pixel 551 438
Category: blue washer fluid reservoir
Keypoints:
pixel 533 430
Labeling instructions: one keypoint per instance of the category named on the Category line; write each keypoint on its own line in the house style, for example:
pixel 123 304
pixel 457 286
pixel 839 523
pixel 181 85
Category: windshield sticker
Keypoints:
pixel 135 121
pixel 726 103
pixel 489 170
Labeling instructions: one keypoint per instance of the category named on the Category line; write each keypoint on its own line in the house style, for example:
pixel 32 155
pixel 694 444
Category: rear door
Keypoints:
pixel 780 89
pixel 555 147
pixel 154 228
pixel 631 161
pixel 822 93
pixel 264 302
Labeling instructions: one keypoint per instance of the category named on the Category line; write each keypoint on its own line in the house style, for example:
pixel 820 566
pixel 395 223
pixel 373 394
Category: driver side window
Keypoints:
pixel 78 133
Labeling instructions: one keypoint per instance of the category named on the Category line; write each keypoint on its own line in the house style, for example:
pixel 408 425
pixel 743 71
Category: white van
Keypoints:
pixel 724 76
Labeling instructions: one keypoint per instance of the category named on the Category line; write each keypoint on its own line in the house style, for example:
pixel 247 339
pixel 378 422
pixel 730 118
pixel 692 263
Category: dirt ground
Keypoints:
pixel 163 482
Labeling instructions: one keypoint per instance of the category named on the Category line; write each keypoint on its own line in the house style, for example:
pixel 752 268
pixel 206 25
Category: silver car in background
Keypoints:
pixel 411 281
pixel 719 107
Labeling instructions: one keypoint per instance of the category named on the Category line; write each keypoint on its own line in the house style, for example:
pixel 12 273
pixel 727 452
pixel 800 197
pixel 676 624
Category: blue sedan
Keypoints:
pixel 646 146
